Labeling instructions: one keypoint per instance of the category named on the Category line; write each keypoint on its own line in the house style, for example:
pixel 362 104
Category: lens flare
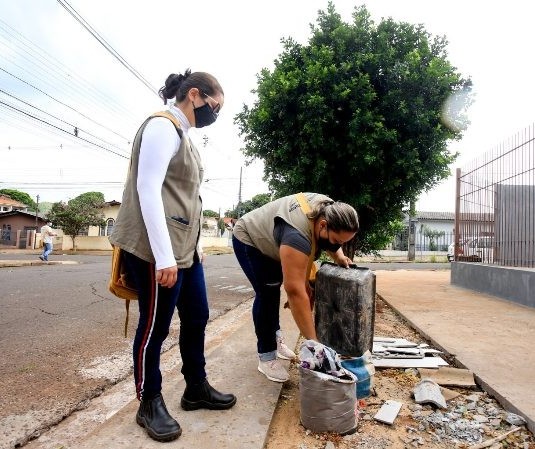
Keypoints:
pixel 453 114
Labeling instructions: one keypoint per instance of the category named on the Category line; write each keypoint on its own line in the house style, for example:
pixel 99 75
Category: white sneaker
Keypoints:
pixel 273 370
pixel 283 351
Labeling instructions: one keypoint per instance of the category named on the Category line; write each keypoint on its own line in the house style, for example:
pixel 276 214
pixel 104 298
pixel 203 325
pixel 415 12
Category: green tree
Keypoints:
pixel 210 213
pixel 79 213
pixel 357 114
pixel 432 234
pixel 247 206
pixel 221 226
pixel 22 197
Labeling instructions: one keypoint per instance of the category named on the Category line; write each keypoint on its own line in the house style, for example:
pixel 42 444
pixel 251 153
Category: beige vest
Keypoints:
pixel 181 198
pixel 256 227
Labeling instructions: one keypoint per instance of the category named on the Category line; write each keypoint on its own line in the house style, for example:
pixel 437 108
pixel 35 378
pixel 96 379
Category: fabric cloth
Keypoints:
pixel 316 356
pixel 156 308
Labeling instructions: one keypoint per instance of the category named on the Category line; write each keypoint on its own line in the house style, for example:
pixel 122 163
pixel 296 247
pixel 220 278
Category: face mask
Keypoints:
pixel 204 116
pixel 327 245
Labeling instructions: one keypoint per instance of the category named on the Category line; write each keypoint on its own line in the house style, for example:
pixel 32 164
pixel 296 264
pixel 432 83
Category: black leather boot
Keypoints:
pixel 204 395
pixel 154 417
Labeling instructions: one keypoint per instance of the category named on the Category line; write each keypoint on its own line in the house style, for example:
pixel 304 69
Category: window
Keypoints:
pixel 109 225
pixel 6 232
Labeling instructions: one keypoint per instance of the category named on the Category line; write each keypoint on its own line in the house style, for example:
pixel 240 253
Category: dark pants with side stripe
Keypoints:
pixel 156 308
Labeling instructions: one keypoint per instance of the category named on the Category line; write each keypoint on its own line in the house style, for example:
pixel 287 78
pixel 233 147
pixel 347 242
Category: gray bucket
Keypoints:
pixel 328 403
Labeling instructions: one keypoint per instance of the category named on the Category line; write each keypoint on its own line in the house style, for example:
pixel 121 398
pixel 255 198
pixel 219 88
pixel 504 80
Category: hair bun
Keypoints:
pixel 173 80
pixel 172 84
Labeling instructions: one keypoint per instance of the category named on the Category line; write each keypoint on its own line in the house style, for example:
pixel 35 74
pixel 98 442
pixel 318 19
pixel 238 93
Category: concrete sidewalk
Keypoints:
pixel 109 421
pixel 492 337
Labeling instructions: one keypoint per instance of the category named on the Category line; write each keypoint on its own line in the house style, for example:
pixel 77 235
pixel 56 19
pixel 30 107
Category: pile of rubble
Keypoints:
pixel 446 406
pixel 469 419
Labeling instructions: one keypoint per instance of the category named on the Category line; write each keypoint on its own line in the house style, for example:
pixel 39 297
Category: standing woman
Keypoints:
pixel 273 245
pixel 158 229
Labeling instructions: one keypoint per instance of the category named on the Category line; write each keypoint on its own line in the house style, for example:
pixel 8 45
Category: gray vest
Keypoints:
pixel 256 227
pixel 181 198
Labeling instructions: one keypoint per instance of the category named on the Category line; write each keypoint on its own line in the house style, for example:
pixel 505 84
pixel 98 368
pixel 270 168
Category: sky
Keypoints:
pixel 50 62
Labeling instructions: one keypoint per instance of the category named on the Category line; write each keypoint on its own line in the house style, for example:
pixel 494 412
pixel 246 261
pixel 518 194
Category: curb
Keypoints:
pixel 28 263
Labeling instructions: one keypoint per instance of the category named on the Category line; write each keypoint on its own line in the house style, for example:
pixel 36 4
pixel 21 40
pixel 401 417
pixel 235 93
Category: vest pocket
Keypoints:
pixel 179 222
pixel 183 239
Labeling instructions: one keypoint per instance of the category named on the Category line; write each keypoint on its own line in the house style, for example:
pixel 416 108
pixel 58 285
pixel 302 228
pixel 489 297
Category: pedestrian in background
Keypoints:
pixel 273 245
pixel 158 228
pixel 47 234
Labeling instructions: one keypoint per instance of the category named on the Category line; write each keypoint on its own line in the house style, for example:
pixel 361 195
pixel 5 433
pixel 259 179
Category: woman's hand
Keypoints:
pixel 167 277
pixel 341 259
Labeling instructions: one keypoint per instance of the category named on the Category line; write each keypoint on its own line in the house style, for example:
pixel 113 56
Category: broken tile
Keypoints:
pixel 450 376
pixel 388 411
pixel 428 391
pixel 449 394
pixel 425 362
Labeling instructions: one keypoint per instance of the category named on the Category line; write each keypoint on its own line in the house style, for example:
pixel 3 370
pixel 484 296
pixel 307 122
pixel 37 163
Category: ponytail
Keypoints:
pixel 339 216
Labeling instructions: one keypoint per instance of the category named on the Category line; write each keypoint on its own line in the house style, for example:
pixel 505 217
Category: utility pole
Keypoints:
pixel 36 225
pixel 36 212
pixel 239 196
pixel 412 231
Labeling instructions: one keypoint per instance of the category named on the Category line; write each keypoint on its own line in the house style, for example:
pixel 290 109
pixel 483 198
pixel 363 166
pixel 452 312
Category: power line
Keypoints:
pixel 53 64
pixel 63 104
pixel 36 128
pixel 59 128
pixel 76 129
pixel 105 44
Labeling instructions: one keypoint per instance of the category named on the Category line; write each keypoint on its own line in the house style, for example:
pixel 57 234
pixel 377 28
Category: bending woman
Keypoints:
pixel 273 245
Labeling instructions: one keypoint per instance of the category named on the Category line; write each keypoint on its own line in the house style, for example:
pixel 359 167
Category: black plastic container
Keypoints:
pixel 345 308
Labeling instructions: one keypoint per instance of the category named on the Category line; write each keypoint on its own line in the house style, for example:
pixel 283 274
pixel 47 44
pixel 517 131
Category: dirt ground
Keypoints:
pixel 415 426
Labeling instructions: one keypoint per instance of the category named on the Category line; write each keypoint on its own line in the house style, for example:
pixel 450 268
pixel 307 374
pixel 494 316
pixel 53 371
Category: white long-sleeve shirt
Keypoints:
pixel 160 142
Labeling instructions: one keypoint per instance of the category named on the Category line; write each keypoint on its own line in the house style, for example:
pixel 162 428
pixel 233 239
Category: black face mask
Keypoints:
pixel 327 245
pixel 204 116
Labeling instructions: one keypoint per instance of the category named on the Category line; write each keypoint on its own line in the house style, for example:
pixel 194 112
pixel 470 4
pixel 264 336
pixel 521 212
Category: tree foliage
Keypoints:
pixel 249 205
pixel 210 213
pixel 22 197
pixel 432 234
pixel 79 213
pixel 357 114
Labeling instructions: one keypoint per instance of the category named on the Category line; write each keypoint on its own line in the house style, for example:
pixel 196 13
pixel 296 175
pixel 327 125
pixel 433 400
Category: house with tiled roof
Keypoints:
pixel 8 204
pixel 434 231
